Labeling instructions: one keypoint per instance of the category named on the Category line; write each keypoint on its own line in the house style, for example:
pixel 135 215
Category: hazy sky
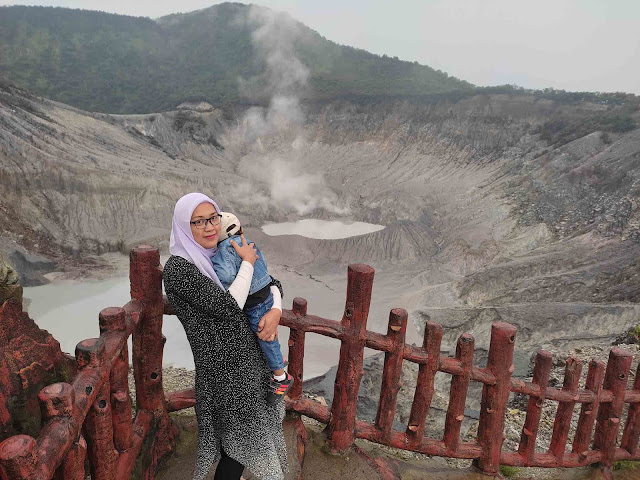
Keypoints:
pixel 570 44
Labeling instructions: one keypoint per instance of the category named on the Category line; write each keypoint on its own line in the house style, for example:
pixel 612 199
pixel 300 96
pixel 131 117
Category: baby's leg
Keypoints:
pixel 281 382
pixel 271 349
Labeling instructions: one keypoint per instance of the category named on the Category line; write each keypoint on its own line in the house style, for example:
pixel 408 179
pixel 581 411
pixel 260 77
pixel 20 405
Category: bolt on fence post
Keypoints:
pixel 19 457
pixel 392 372
pixel 615 380
pixel 458 392
pixel 296 350
pixel 631 432
pixel 341 428
pixel 541 371
pixel 112 319
pixel 424 385
pixel 564 412
pixel 495 397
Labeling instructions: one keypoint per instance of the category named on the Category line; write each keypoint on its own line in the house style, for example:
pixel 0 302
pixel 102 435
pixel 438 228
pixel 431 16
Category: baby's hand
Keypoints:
pixel 247 252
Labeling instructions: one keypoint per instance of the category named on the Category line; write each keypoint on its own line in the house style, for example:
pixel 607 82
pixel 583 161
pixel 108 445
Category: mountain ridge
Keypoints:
pixel 111 63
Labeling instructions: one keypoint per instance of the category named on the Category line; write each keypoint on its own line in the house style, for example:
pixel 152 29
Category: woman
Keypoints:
pixel 235 423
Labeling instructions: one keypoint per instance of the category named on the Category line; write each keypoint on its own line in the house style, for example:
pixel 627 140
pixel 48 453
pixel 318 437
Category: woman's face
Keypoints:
pixel 208 236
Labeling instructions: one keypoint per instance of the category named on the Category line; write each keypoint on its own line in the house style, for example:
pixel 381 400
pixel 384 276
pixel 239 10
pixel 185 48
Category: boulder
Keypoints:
pixel 10 289
pixel 30 359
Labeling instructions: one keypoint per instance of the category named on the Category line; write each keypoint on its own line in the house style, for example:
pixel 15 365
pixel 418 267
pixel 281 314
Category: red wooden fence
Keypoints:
pixel 92 415
pixel 602 398
pixel 98 396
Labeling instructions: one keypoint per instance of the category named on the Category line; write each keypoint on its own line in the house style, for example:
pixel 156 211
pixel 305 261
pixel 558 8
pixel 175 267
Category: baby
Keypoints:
pixel 226 263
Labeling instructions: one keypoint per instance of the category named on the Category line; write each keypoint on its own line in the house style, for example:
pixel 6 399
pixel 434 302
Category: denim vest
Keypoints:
pixel 226 263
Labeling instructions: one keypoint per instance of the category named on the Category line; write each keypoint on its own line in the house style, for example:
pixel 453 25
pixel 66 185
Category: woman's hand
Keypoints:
pixel 268 325
pixel 247 252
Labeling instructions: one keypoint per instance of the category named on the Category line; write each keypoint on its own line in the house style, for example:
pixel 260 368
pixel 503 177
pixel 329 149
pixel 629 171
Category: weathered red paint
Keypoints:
pixel 145 275
pixel 458 392
pixel 181 399
pixel 631 433
pixel 146 286
pixel 562 421
pixel 98 430
pixel 495 397
pixel 72 467
pixel 392 372
pixel 541 371
pixel 309 408
pixel 589 410
pixel 126 459
pixel 19 457
pixel 113 319
pixel 615 380
pixel 296 349
pixel 57 400
pixel 424 385
pixel 340 432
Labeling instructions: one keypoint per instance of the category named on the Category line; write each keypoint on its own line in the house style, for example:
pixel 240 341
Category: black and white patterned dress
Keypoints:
pixel 231 376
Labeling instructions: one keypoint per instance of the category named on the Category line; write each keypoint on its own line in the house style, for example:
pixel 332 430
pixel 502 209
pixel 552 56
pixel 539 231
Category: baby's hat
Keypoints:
pixel 230 225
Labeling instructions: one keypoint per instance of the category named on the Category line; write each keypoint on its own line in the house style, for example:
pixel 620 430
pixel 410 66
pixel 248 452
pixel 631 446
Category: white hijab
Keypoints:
pixel 182 243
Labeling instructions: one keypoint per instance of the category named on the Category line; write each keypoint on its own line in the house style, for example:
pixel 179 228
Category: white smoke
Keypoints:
pixel 290 188
pixel 293 185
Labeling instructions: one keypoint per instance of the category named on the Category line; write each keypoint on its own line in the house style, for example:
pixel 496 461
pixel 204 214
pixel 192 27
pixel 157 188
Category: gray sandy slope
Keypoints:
pixel 484 219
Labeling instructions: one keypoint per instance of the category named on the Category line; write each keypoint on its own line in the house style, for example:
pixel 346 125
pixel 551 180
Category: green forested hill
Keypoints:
pixel 119 64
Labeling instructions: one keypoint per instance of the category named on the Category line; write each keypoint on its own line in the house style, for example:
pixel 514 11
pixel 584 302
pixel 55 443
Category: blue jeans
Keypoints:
pixel 271 350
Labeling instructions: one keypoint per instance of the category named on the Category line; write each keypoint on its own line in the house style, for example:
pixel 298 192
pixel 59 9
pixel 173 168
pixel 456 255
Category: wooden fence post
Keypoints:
pixel 588 411
pixel 615 380
pixel 631 432
pixel 145 275
pixel 72 467
pixel 113 320
pixel 495 397
pixel 564 412
pixel 541 371
pixel 98 425
pixel 392 372
pixel 424 385
pixel 341 429
pixel 57 401
pixel 296 350
pixel 458 392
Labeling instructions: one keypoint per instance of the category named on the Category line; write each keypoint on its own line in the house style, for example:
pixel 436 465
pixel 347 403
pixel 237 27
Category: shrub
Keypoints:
pixel 508 471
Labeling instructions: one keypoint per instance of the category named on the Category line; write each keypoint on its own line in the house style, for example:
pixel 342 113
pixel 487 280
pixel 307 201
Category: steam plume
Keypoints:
pixel 293 185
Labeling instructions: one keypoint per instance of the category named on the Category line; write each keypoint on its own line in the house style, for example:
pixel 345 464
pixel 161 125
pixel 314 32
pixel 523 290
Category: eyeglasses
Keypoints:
pixel 201 223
